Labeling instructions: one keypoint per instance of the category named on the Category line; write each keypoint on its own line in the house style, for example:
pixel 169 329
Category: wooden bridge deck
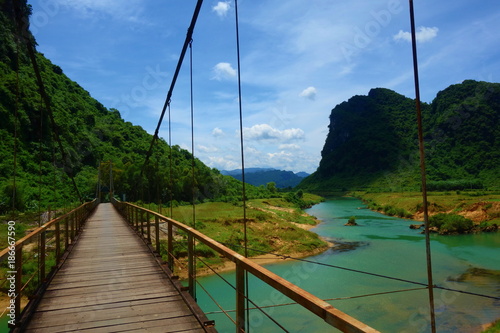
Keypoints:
pixel 111 283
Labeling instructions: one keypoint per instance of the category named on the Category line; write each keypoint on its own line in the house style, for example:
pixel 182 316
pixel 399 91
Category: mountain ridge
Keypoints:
pixel 263 176
pixel 372 140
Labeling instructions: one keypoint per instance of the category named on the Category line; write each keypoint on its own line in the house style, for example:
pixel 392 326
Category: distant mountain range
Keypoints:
pixel 262 176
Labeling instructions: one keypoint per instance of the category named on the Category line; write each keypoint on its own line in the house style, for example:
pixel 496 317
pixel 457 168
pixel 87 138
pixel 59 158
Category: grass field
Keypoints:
pixel 273 225
pixel 480 206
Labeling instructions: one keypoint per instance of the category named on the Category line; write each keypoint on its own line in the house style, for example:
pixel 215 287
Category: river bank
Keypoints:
pixel 273 225
pixel 481 208
pixel 275 256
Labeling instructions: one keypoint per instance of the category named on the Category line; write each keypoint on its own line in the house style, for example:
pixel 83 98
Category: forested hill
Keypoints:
pixel 372 141
pixel 89 133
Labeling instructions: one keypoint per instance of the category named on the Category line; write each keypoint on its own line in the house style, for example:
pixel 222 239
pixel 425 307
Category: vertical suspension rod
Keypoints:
pixel 193 188
pixel 430 285
pixel 245 279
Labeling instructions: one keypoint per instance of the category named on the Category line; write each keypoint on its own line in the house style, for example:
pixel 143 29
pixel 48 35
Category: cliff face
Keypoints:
pixel 372 140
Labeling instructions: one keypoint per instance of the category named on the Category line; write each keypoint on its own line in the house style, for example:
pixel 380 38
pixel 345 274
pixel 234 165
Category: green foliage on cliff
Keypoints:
pixel 89 133
pixel 373 142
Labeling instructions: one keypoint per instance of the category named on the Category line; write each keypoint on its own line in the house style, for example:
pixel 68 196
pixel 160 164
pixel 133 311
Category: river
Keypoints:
pixel 385 246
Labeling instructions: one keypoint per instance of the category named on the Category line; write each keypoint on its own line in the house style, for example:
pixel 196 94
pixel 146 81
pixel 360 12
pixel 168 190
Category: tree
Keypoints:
pixel 271 187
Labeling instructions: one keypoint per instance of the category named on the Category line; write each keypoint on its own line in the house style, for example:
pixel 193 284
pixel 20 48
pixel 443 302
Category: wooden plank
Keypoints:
pixel 111 283
pixel 105 279
pixel 107 306
pixel 58 292
pixel 176 324
pixel 113 316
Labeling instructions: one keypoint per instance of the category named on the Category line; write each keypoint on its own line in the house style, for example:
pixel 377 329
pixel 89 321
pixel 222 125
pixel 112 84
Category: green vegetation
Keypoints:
pixel 95 140
pixel 450 223
pixel 451 211
pixel 91 136
pixel 273 225
pixel 372 143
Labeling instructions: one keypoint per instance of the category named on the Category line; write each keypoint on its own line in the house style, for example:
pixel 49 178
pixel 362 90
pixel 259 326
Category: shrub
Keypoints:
pixel 450 223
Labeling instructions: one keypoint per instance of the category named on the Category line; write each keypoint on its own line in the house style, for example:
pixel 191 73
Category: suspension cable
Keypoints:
pixel 366 273
pixel 188 39
pixel 246 297
pixel 24 33
pixel 16 107
pixel 325 299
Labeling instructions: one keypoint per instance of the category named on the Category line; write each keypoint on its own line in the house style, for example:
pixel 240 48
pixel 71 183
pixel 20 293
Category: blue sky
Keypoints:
pixel 299 59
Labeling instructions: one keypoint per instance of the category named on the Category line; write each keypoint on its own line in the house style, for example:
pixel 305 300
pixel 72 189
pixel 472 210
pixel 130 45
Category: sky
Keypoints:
pixel 299 59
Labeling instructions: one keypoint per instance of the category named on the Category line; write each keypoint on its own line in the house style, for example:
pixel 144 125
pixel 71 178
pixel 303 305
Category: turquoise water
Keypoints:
pixel 381 245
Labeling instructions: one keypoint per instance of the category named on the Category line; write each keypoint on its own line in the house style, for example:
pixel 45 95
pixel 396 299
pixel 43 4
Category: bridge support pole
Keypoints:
pixel 141 214
pixel 170 246
pixel 240 299
pixel 19 282
pixel 157 234
pixel 137 219
pixel 148 227
pixel 73 221
pixel 58 243
pixel 42 256
pixel 66 233
pixel 191 268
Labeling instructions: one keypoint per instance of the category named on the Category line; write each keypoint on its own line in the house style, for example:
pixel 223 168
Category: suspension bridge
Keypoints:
pixel 111 267
pixel 109 276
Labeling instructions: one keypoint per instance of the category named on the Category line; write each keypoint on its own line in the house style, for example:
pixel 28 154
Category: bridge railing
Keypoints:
pixel 30 262
pixel 147 223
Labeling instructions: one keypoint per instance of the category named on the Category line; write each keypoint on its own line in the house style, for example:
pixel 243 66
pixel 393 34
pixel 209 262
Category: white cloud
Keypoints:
pixel 282 157
pixel 266 132
pixel 222 163
pixel 206 149
pixel 424 34
pixel 217 132
pixel 224 70
pixel 309 92
pixel 221 8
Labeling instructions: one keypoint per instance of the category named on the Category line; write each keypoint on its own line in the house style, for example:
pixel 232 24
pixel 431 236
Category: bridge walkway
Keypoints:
pixel 110 282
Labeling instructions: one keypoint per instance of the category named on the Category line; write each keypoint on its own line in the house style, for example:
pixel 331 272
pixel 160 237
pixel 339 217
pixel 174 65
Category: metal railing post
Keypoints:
pixel 240 299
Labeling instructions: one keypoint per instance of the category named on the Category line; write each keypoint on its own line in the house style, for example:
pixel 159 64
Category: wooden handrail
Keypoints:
pixel 44 227
pixel 322 309
pixel 78 216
